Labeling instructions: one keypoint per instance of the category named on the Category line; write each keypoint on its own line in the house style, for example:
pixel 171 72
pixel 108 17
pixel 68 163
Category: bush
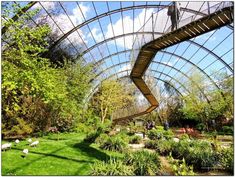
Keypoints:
pixel 123 135
pixel 115 143
pixel 184 137
pixel 101 138
pixel 180 149
pixel 159 133
pixel 201 127
pixel 111 168
pixel 198 153
pixel 135 139
pixel 180 167
pixel 164 147
pixel 168 134
pixel 91 137
pixel 227 130
pixel 155 134
pixel 201 155
pixel 226 159
pixel 22 128
pixel 143 162
pixel 151 144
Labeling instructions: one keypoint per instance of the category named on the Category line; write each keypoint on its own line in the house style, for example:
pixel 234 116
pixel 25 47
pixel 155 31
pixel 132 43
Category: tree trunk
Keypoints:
pixel 104 115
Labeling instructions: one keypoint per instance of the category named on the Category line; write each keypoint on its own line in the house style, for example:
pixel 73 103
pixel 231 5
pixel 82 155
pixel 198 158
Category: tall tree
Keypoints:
pixel 110 97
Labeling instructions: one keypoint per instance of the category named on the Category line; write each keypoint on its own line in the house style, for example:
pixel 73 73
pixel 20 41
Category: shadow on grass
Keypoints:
pixel 87 150
pixel 51 154
pixel 56 156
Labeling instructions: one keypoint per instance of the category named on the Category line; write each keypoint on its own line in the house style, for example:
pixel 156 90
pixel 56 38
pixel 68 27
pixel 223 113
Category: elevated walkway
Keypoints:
pixel 148 51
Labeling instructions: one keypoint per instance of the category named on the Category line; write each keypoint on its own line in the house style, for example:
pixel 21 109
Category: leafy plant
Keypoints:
pixel 184 137
pixel 164 147
pixel 226 159
pixel 113 167
pixel 151 144
pixel 180 167
pixel 91 137
pixel 33 89
pixel 143 162
pixel 135 139
pixel 101 138
pixel 159 133
pixel 227 130
pixel 114 143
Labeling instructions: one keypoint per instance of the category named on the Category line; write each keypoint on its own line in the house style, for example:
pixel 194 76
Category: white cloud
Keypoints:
pixel 125 67
pixel 97 34
pixel 47 5
pixel 64 22
pixel 128 28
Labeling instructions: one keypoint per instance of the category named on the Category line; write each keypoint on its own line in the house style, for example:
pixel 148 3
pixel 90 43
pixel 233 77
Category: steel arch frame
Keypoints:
pixel 160 80
pixel 99 62
pixel 113 66
pixel 208 51
pixel 127 76
pixel 149 33
pixel 112 75
pixel 117 11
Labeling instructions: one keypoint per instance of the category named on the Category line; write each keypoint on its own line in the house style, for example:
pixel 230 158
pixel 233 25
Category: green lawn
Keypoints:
pixel 67 156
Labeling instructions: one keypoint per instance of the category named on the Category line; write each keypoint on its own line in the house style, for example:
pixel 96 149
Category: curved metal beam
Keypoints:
pixel 160 80
pixel 118 36
pixel 113 12
pixel 147 75
pixel 19 13
pixel 124 51
pixel 190 41
pixel 93 90
pixel 212 53
pixel 199 88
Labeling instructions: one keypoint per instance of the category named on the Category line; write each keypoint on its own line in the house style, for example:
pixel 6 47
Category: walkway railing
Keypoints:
pixel 214 17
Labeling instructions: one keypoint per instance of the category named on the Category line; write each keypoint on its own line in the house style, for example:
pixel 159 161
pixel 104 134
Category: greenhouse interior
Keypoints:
pixel 117 88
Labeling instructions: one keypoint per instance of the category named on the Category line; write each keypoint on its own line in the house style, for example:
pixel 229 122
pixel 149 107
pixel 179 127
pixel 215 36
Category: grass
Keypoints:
pixel 63 154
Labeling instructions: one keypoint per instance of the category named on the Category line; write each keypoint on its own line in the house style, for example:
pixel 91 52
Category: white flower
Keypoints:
pixel 25 151
pixel 6 146
pixel 176 140
pixel 35 143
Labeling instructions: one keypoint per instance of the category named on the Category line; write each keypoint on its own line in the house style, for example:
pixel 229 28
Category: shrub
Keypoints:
pixel 227 130
pixel 164 147
pixel 198 153
pixel 91 137
pixel 180 149
pixel 115 143
pixel 151 144
pixel 160 133
pixel 111 168
pixel 184 137
pixel 143 162
pixel 168 134
pixel 123 135
pixel 22 128
pixel 101 138
pixel 201 127
pixel 135 139
pixel 201 155
pixel 226 159
pixel 155 134
pixel 180 167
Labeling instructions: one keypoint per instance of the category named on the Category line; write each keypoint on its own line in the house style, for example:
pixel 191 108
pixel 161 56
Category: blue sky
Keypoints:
pixel 92 33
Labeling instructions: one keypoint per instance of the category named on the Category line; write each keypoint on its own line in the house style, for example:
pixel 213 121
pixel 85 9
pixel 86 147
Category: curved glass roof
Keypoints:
pixel 110 34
